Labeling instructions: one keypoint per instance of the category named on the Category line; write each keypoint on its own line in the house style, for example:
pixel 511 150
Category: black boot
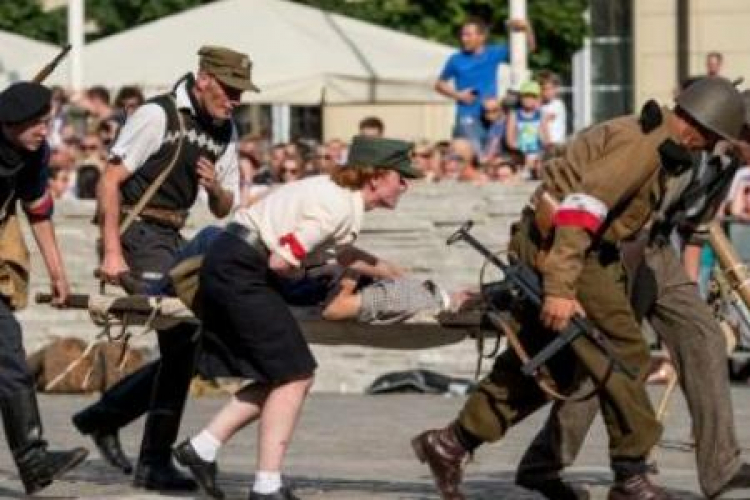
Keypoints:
pixel 553 488
pixel 37 466
pixel 107 442
pixel 740 480
pixel 160 474
pixel 204 472
pixel 119 405
pixel 155 470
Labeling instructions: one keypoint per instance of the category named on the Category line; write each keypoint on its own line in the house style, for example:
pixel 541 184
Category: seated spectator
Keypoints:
pixel 322 161
pixel 463 159
pixel 270 173
pixel 502 170
pixel 291 169
pixel 292 149
pixel 59 180
pixel 249 166
pixel 714 62
pixel 553 108
pixel 93 150
pixel 58 114
pixel 422 158
pixel 371 126
pixel 87 181
pixel 526 130
pixel 494 119
pixel 129 98
pixel 739 230
pixel 337 151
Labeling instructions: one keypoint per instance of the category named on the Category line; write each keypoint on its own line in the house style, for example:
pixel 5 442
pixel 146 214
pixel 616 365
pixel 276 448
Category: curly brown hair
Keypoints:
pixel 355 178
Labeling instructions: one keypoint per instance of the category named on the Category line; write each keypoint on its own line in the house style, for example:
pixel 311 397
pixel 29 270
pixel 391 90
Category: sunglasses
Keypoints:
pixel 322 157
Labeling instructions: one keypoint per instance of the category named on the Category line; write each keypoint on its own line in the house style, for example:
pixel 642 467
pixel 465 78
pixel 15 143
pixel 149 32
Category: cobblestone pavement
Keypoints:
pixel 356 447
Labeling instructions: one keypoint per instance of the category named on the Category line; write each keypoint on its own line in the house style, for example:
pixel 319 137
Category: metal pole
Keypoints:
pixel 281 123
pixel 518 47
pixel 77 40
pixel 683 40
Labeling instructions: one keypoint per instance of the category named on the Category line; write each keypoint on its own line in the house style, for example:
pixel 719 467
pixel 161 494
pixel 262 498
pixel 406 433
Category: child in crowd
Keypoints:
pixel 553 108
pixel 526 130
pixel 495 119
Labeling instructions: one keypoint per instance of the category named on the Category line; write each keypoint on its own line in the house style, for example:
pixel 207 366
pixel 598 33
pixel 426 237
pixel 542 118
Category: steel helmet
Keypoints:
pixel 746 99
pixel 716 104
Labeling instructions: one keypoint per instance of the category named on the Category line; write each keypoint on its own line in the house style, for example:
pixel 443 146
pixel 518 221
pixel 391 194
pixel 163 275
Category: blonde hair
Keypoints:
pixel 355 178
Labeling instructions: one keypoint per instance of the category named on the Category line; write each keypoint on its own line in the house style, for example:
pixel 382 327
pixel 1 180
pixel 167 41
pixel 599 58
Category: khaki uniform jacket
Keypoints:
pixel 610 172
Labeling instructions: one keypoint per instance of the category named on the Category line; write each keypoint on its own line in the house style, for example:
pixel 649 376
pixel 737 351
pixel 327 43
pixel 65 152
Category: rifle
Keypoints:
pixel 50 67
pixel 522 284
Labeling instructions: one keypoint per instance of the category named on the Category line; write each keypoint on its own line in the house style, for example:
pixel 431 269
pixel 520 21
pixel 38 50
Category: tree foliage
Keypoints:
pixel 559 24
pixel 28 19
pixel 114 16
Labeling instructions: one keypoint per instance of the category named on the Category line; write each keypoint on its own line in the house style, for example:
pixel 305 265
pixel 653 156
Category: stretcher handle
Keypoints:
pixel 75 300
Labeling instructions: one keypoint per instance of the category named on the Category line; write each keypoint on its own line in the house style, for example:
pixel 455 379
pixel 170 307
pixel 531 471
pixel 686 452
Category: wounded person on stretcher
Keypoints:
pixel 346 294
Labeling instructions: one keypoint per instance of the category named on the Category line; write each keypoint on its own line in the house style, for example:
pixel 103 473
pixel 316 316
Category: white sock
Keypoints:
pixel 206 446
pixel 267 482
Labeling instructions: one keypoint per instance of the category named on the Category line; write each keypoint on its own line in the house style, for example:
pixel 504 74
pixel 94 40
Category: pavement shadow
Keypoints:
pixel 236 485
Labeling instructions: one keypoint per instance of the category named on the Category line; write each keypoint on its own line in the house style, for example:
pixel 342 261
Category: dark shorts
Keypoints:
pixel 149 249
pixel 252 330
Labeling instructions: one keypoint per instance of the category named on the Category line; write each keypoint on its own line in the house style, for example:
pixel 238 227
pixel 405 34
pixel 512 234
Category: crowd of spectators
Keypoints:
pixel 83 126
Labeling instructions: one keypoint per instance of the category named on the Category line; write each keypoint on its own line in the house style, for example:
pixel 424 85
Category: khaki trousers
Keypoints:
pixel 505 397
pixel 686 326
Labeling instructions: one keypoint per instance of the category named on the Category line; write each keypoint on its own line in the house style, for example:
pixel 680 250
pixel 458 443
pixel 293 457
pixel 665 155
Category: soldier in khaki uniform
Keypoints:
pixel 665 292
pixel 607 183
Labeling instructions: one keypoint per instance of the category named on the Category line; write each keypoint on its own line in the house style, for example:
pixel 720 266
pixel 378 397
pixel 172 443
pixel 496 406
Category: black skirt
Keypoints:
pixel 248 326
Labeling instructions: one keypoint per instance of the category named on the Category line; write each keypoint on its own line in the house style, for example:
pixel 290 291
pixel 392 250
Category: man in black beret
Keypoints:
pixel 24 155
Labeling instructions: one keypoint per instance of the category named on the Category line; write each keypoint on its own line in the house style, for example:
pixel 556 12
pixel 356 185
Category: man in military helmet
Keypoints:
pixel 24 169
pixel 606 184
pixel 179 142
pixel 666 293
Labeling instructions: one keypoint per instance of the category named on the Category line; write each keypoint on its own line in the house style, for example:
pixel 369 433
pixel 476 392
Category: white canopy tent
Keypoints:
pixel 21 58
pixel 301 55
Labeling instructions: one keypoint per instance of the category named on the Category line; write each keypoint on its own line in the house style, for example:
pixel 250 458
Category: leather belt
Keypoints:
pixel 248 235
pixel 163 216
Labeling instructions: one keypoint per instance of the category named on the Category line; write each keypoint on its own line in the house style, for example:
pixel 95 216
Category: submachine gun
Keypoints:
pixel 521 285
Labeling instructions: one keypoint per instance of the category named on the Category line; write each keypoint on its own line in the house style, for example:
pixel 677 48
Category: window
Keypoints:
pixel 611 58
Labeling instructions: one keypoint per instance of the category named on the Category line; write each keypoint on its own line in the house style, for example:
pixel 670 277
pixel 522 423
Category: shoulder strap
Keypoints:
pixel 154 187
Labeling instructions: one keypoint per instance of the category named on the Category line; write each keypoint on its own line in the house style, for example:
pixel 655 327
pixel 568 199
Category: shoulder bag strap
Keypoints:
pixel 154 187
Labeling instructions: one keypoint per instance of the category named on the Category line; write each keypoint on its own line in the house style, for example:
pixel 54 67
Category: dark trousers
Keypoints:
pixel 687 327
pixel 159 388
pixel 14 372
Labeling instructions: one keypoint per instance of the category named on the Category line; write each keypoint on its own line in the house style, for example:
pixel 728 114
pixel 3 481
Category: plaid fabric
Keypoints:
pixel 395 301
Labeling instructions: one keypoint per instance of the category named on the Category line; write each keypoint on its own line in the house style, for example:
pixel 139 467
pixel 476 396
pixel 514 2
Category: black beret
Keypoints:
pixel 23 101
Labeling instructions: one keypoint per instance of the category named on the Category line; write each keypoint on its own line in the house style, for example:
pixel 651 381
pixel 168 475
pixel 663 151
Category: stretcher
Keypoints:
pixel 117 314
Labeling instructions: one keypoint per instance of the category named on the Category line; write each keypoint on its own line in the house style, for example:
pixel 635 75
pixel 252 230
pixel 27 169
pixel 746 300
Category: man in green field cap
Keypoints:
pixel 169 149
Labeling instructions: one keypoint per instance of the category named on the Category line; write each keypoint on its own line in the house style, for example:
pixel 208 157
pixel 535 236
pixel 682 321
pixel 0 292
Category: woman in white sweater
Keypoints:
pixel 241 305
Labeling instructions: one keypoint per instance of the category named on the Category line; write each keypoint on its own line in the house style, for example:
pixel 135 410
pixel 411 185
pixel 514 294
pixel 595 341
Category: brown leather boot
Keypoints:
pixel 637 487
pixel 441 450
